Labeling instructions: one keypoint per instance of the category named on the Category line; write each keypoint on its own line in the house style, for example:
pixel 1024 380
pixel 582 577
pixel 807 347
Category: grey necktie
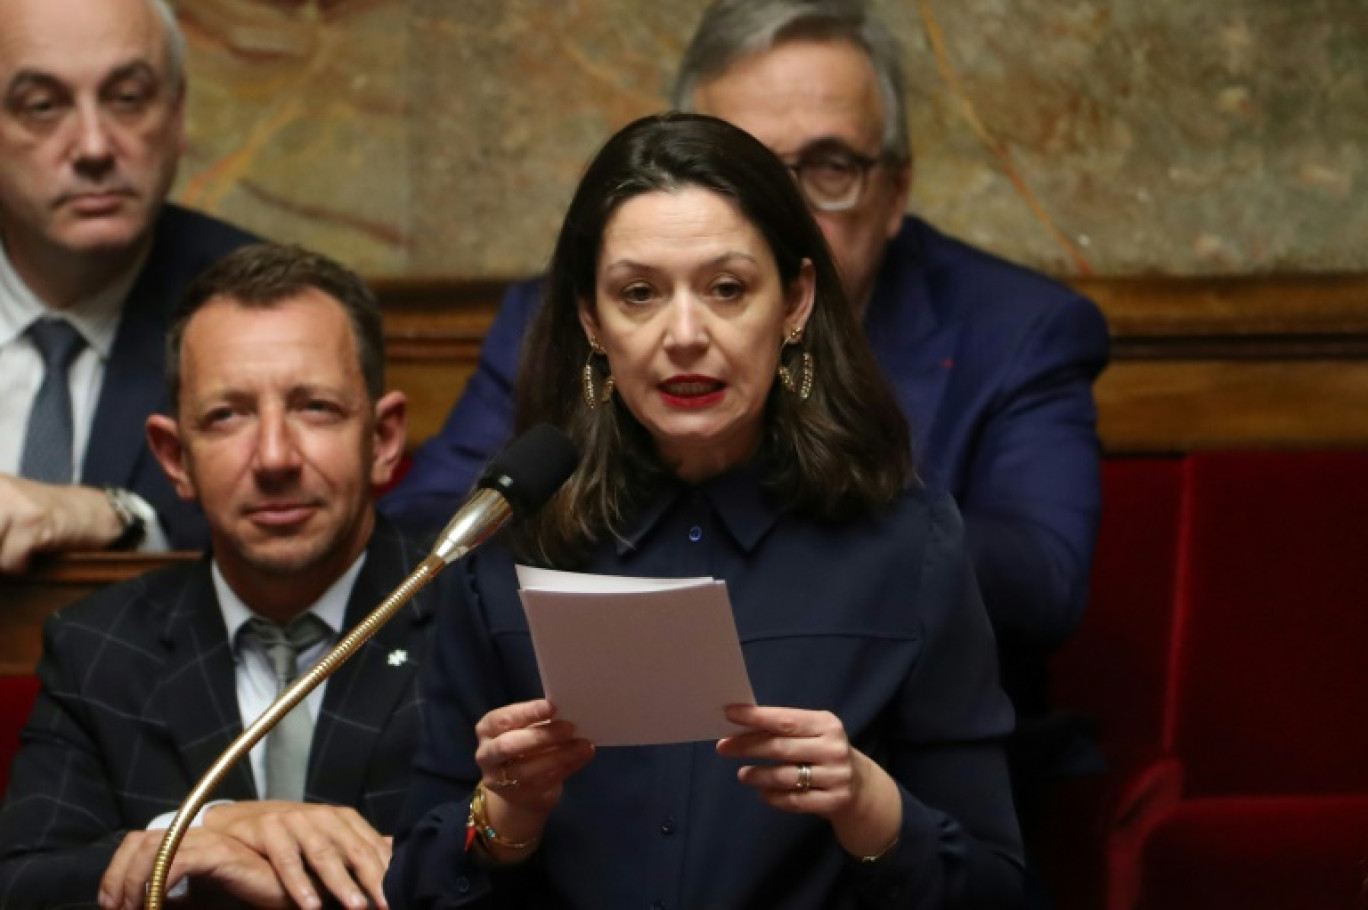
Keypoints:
pixel 287 745
pixel 47 454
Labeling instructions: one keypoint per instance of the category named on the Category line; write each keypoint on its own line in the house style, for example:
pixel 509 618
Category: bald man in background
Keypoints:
pixel 92 260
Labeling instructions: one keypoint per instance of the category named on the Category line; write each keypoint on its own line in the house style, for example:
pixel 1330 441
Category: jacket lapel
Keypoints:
pixel 198 691
pixel 915 342
pixel 134 385
pixel 366 692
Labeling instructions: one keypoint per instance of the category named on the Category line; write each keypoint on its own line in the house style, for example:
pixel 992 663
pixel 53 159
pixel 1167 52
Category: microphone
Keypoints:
pixel 517 483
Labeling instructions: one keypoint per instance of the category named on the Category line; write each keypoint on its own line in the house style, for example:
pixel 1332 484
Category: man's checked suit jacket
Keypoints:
pixel 138 699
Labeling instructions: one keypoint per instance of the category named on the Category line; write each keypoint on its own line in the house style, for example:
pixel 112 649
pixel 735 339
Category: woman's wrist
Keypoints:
pixel 868 829
pixel 504 832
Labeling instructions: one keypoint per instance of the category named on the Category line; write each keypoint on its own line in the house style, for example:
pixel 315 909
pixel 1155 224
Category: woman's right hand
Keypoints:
pixel 525 755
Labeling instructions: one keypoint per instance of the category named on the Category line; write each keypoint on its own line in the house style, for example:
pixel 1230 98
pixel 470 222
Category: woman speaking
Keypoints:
pixel 695 344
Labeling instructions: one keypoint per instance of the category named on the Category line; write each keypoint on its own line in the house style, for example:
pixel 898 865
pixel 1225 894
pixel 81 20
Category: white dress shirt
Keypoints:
pixel 256 681
pixel 21 371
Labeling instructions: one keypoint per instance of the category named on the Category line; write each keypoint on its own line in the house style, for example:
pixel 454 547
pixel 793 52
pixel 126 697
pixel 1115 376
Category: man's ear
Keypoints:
pixel 164 439
pixel 391 423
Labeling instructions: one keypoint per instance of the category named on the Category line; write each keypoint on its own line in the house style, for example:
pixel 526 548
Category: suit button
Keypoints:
pixel 695 533
pixel 667 827
pixel 462 884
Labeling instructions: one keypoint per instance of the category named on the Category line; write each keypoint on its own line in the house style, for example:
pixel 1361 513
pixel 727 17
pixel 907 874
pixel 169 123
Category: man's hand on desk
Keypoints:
pixel 311 845
pixel 263 853
pixel 44 518
pixel 214 861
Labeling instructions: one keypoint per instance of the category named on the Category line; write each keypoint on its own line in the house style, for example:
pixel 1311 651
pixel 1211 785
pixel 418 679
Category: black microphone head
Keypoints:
pixel 531 469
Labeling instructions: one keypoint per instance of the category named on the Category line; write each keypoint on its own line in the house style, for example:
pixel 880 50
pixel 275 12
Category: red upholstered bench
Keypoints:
pixel 1266 714
pixel 16 700
pixel 1225 654
pixel 1115 669
pixel 1298 852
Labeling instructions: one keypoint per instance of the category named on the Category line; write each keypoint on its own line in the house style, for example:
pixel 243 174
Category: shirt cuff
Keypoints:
pixel 154 539
pixel 163 821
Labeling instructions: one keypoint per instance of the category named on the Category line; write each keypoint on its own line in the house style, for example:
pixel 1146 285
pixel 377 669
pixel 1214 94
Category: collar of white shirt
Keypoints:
pixel 96 317
pixel 331 607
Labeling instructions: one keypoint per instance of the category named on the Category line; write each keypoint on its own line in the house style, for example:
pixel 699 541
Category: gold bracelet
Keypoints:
pixel 479 822
pixel 880 855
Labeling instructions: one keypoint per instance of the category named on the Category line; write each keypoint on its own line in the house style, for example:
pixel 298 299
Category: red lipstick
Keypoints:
pixel 692 391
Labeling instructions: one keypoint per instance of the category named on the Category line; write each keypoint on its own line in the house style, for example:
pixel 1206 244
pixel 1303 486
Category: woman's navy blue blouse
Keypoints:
pixel 877 620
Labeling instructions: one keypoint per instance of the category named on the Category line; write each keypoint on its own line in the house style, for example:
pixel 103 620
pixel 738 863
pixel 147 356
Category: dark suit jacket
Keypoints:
pixel 184 244
pixel 138 699
pixel 993 365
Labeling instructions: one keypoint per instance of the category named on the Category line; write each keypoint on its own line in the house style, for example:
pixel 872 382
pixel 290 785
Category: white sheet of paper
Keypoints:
pixel 636 661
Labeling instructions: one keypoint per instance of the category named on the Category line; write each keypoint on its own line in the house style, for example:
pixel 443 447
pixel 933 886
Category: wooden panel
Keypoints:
pixel 1197 362
pixel 28 599
pixel 1181 406
pixel 431 318
pixel 1238 306
pixel 432 388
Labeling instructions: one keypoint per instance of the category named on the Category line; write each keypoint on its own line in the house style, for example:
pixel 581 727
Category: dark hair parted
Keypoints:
pixel 841 453
pixel 266 274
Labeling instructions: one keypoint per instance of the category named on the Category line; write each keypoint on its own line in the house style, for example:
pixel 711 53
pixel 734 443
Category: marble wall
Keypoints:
pixel 443 137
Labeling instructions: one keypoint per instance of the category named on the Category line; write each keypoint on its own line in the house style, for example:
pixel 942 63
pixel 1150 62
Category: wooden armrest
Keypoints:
pixel 54 582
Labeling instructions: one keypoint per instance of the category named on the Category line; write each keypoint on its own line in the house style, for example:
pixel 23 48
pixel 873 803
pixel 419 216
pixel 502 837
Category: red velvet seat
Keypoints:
pixel 1115 669
pixel 1303 853
pixel 16 700
pixel 1265 714
pixel 1116 666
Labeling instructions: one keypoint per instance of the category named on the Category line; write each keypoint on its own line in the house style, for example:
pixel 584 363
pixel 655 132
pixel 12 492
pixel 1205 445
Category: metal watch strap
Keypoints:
pixel 122 504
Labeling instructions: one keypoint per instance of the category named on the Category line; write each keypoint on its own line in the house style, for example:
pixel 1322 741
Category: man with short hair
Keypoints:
pixel 92 260
pixel 281 429
pixel 993 363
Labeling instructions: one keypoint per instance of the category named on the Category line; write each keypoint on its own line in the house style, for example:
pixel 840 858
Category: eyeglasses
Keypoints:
pixel 831 175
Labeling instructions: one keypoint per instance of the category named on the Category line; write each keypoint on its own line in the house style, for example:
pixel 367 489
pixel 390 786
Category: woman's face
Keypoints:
pixel 691 312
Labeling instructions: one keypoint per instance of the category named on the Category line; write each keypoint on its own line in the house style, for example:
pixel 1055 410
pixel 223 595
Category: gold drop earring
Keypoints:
pixel 592 396
pixel 801 386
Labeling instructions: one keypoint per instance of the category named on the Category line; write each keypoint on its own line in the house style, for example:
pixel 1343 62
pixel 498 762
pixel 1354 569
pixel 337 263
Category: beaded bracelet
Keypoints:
pixel 479 823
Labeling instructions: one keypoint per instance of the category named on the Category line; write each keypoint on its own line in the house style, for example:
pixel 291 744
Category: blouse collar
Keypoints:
pixel 738 498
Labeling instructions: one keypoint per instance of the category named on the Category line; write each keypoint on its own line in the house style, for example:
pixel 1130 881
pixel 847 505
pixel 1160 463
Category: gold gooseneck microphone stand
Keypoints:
pixel 482 515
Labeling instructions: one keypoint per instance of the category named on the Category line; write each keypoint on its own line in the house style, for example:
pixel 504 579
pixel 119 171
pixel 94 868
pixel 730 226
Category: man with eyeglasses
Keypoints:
pixel 994 364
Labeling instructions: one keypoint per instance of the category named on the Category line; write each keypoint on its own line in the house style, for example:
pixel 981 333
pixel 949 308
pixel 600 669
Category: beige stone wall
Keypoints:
pixel 443 137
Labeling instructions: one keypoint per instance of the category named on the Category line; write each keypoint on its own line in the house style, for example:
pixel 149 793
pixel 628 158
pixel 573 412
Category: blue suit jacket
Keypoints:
pixel 994 366
pixel 184 244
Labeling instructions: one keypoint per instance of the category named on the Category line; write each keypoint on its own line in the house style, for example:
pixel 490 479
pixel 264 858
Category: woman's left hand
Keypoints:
pixel 804 762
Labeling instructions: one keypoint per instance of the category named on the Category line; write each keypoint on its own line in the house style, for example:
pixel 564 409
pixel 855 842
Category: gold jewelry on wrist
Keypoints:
pixel 479 823
pixel 880 855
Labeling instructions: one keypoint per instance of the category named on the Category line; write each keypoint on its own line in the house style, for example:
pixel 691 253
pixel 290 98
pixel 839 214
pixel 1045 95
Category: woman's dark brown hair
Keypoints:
pixel 842 453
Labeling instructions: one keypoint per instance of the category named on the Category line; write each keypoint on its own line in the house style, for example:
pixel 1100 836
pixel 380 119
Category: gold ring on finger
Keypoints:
pixel 804 777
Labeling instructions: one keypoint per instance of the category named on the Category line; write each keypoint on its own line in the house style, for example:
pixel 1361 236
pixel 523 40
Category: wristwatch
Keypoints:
pixel 125 507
